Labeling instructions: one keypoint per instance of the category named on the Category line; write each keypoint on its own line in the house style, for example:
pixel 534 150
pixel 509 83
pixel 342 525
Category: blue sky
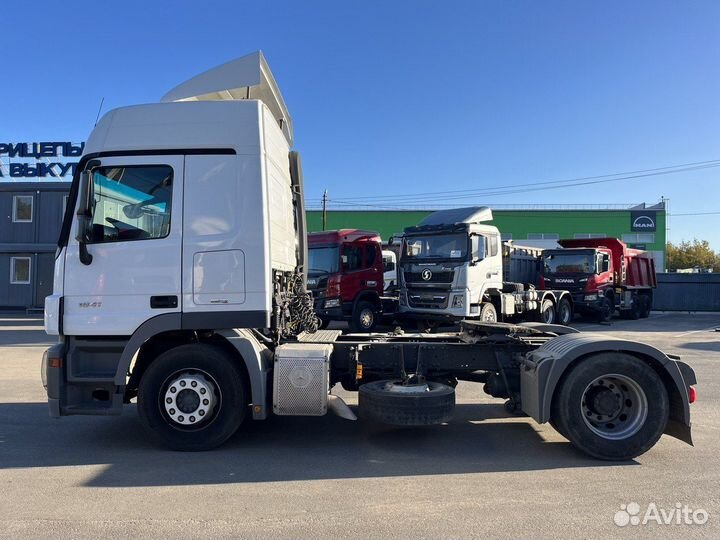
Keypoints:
pixel 395 97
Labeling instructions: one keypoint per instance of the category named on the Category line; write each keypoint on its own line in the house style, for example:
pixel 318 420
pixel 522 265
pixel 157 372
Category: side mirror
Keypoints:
pixel 85 212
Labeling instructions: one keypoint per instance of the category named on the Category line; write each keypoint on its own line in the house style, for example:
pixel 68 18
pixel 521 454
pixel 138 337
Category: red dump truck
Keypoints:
pixel 603 275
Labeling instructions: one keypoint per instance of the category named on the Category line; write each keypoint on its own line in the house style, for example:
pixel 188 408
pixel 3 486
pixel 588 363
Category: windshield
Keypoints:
pixel 569 263
pixel 438 246
pixel 323 260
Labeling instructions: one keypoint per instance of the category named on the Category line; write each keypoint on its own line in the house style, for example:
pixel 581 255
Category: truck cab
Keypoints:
pixel 171 233
pixel 451 266
pixel 346 277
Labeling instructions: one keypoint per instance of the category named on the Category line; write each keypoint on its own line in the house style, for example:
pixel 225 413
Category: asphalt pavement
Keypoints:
pixel 485 474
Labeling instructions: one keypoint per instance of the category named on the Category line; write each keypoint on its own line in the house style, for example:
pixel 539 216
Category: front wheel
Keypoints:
pixel 612 406
pixel 323 323
pixel 488 313
pixel 193 397
pixel 364 318
pixel 605 310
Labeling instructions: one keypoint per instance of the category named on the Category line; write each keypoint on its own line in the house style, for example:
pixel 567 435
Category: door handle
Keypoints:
pixel 163 302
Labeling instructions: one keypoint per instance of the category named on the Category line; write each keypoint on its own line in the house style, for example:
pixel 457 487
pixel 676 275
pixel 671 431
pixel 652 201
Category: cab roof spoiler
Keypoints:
pixel 245 78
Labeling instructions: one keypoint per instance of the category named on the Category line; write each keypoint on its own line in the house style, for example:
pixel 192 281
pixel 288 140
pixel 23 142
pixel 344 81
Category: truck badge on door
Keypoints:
pixel 426 274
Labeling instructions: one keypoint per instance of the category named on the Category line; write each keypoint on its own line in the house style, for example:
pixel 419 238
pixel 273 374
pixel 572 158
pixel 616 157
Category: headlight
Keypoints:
pixel 333 302
pixel 590 297
pixel 458 301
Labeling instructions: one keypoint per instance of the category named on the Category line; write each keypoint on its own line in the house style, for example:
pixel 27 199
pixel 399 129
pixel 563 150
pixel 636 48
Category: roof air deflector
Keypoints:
pixel 247 77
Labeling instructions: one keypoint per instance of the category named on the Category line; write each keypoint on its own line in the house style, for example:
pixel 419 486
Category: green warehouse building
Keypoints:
pixel 640 226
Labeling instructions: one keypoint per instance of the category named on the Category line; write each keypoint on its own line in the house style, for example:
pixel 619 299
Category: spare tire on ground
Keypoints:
pixel 391 402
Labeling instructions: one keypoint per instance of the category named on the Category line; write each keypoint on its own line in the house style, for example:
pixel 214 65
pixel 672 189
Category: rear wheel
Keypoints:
pixel 193 397
pixel 365 317
pixel 612 406
pixel 564 312
pixel 547 312
pixel 645 306
pixel 395 403
pixel 635 311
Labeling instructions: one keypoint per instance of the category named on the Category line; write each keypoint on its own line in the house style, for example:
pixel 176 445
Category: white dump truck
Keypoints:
pixel 180 284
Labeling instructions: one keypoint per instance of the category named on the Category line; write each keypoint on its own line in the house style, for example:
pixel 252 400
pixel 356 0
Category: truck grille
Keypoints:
pixel 436 277
pixel 314 283
pixel 427 299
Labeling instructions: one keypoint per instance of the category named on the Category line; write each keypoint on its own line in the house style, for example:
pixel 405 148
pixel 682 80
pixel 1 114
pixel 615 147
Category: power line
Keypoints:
pixel 696 214
pixel 513 188
pixel 410 200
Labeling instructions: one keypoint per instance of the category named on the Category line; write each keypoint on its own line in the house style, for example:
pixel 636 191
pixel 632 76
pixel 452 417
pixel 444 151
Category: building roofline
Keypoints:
pixel 34 186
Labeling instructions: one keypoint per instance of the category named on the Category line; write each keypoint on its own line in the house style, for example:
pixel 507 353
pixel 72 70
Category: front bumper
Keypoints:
pixel 585 303
pixel 52 375
pixel 337 313
pixel 448 309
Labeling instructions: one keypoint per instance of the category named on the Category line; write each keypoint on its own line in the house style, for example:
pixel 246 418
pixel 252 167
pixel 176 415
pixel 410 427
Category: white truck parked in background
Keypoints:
pixel 453 266
pixel 179 282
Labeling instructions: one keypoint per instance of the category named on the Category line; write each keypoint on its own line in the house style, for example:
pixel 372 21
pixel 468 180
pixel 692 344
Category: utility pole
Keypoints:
pixel 324 207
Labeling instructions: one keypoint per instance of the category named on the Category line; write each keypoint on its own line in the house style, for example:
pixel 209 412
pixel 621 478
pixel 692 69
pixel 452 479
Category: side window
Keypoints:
pixel 478 246
pixel 370 254
pixel 132 203
pixel 19 270
pixel 388 264
pixel 352 258
pixel 493 242
pixel 22 208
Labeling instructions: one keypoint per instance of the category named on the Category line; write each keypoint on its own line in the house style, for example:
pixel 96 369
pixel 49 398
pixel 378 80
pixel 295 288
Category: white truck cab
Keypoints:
pixel 450 264
pixel 184 215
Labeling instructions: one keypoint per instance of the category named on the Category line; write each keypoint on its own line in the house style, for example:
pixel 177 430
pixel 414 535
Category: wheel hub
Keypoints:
pixel 366 318
pixel 189 399
pixel 614 406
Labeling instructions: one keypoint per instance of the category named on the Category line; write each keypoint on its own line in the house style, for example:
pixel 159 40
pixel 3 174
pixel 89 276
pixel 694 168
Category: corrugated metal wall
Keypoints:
pixel 687 292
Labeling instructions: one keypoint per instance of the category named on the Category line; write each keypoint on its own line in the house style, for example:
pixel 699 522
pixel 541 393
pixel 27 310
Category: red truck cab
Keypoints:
pixel 345 275
pixel 603 275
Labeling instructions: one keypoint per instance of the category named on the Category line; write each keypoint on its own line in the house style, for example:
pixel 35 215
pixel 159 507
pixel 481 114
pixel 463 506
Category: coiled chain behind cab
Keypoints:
pixel 300 309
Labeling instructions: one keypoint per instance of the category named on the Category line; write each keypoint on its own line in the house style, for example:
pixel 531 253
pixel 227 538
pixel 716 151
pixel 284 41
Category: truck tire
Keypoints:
pixel 193 397
pixel 547 312
pixel 488 313
pixel 324 323
pixel 365 317
pixel 606 310
pixel 612 406
pixel 635 310
pixel 390 402
pixel 426 326
pixel 564 312
pixel 645 306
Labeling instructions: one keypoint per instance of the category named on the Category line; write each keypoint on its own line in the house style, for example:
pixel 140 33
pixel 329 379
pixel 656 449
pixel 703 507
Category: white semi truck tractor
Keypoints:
pixel 454 266
pixel 179 284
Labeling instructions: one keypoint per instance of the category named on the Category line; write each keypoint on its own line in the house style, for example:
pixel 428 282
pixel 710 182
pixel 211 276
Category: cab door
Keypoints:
pixel 134 238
